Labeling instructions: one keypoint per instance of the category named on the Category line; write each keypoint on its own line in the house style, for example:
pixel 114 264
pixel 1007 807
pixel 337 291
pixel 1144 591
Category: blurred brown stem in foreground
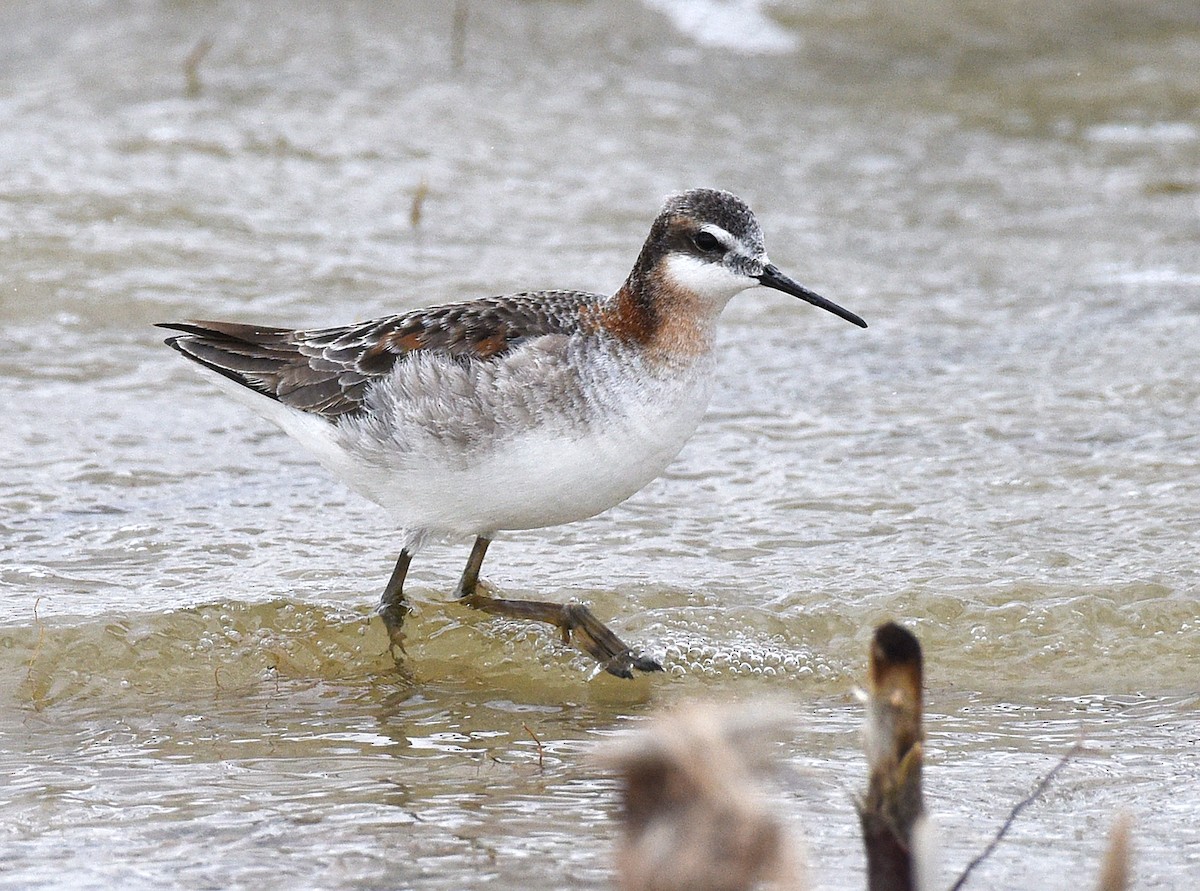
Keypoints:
pixel 694 818
pixel 893 808
pixel 1114 873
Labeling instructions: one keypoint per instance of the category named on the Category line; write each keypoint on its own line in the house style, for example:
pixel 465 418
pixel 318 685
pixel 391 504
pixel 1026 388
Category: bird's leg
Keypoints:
pixel 392 606
pixel 469 583
pixel 574 620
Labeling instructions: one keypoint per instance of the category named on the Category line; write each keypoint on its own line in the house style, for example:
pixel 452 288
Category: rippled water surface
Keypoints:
pixel 194 691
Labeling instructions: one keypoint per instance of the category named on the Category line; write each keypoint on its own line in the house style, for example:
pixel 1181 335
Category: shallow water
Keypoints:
pixel 195 692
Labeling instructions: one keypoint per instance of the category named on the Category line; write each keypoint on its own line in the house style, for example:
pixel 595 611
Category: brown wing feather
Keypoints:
pixel 328 371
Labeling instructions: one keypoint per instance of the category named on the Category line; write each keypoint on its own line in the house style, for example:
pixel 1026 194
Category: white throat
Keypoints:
pixel 711 282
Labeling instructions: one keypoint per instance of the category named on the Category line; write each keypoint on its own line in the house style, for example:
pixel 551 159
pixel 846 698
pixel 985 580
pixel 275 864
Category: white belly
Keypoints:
pixel 543 480
pixel 545 476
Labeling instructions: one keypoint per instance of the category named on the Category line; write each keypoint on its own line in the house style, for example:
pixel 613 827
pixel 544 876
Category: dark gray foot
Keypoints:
pixel 579 626
pixel 574 620
pixel 393 615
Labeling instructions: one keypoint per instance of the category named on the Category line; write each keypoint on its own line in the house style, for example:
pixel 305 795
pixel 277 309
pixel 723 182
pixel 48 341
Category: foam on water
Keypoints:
pixel 739 25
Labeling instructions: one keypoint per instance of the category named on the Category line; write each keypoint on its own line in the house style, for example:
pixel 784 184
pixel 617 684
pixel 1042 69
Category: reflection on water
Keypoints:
pixel 194 688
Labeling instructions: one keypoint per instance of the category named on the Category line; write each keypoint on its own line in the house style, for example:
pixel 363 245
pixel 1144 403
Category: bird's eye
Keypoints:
pixel 707 242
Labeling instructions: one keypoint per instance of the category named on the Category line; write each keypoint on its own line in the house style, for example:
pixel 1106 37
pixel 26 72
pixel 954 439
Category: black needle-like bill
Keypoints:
pixel 772 278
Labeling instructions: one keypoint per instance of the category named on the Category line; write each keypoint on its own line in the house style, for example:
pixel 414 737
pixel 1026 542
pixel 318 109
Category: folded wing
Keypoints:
pixel 328 371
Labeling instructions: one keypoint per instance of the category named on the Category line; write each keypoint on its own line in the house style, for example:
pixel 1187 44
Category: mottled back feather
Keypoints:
pixel 328 371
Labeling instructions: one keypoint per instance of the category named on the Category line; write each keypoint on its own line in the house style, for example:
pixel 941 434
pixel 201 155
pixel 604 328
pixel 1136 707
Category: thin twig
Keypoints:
pixel 1016 812
pixel 191 67
pixel 37 647
pixel 458 35
pixel 537 741
pixel 418 203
